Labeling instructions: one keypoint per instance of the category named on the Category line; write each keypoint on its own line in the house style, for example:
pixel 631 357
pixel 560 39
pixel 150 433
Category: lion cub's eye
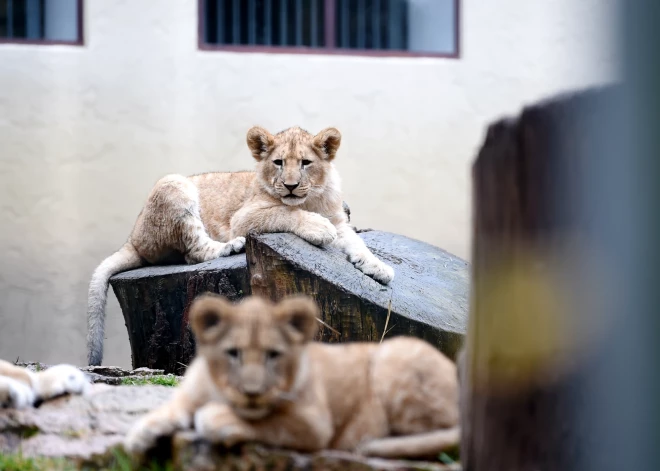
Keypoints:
pixel 278 162
pixel 273 354
pixel 305 163
pixel 233 353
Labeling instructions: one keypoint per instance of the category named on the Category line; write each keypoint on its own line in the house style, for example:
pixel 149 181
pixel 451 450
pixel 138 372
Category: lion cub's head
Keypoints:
pixel 253 348
pixel 293 164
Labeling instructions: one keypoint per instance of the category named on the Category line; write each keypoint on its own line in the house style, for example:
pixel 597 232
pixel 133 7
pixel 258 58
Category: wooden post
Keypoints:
pixel 528 344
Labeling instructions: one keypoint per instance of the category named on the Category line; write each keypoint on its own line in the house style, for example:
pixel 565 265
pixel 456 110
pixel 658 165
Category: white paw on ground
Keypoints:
pixel 61 379
pixel 146 431
pixel 14 394
pixel 218 424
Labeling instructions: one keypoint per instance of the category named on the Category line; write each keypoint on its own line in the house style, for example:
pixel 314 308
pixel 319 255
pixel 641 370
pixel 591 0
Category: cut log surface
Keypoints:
pixel 429 294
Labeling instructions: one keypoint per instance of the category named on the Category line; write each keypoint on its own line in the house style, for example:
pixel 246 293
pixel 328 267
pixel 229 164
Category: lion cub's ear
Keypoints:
pixel 298 314
pixel 327 141
pixel 208 317
pixel 260 142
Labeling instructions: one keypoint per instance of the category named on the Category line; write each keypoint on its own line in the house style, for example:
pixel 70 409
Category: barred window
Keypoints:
pixel 381 27
pixel 41 21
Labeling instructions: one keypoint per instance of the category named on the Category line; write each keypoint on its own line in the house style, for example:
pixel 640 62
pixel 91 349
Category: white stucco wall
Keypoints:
pixel 85 132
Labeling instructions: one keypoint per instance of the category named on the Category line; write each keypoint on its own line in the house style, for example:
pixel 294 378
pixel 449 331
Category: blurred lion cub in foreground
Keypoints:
pixel 258 376
pixel 21 388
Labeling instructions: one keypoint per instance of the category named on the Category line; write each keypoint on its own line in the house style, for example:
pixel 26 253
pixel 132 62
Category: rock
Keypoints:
pixel 75 427
pixel 146 372
pixel 89 431
pixel 194 454
pixel 112 375
pixel 112 371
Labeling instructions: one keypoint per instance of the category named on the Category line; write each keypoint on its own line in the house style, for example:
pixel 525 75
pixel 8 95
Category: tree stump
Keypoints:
pixel 155 302
pixel 528 344
pixel 427 299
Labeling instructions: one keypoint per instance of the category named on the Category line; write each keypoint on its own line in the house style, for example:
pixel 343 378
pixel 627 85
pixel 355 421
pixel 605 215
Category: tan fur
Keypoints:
pixel 20 387
pixel 206 216
pixel 258 376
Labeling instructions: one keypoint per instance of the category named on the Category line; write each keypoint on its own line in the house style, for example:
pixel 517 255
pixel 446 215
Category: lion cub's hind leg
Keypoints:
pixel 20 387
pixel 204 248
pixel 59 380
pixel 198 245
pixel 418 388
pixel 171 221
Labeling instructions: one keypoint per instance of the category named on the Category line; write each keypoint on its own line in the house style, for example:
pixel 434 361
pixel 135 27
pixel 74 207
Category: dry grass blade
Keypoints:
pixel 387 320
pixel 390 329
pixel 326 325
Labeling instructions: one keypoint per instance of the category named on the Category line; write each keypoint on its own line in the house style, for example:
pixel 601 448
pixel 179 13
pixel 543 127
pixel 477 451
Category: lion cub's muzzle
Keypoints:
pixel 292 193
pixel 252 407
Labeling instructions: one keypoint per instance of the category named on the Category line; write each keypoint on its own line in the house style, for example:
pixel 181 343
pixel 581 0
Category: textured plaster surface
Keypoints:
pixel 85 132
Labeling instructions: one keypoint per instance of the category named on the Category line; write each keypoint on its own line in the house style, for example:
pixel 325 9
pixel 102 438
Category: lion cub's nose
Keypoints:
pixel 252 395
pixel 291 187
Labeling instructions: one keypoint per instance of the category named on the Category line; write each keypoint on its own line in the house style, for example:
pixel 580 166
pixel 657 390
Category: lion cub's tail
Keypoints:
pixel 415 446
pixel 123 259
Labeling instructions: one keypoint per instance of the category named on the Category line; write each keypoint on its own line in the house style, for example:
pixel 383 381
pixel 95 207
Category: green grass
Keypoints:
pixel 17 462
pixel 450 456
pixel 118 462
pixel 162 380
pixel 121 462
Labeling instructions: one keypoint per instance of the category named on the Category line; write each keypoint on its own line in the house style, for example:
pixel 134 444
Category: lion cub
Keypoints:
pixel 258 376
pixel 294 188
pixel 21 388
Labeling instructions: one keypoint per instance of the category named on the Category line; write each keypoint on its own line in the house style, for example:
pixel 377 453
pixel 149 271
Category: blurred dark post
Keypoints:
pixel 561 363
pixel 528 347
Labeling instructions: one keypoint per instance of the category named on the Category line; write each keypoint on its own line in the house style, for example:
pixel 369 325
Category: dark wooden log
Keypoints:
pixel 527 349
pixel 426 299
pixel 155 303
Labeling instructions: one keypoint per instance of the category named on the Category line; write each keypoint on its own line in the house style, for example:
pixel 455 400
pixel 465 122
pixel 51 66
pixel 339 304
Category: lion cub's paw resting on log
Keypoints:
pixel 258 376
pixel 21 388
pixel 295 188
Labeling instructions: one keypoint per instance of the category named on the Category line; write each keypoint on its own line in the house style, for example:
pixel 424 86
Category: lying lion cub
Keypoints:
pixel 258 376
pixel 21 388
pixel 294 188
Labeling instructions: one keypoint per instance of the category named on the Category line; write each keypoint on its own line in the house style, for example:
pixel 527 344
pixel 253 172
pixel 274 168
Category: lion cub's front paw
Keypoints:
pixel 217 423
pixel 14 394
pixel 373 267
pixel 61 379
pixel 317 230
pixel 236 245
pixel 147 430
